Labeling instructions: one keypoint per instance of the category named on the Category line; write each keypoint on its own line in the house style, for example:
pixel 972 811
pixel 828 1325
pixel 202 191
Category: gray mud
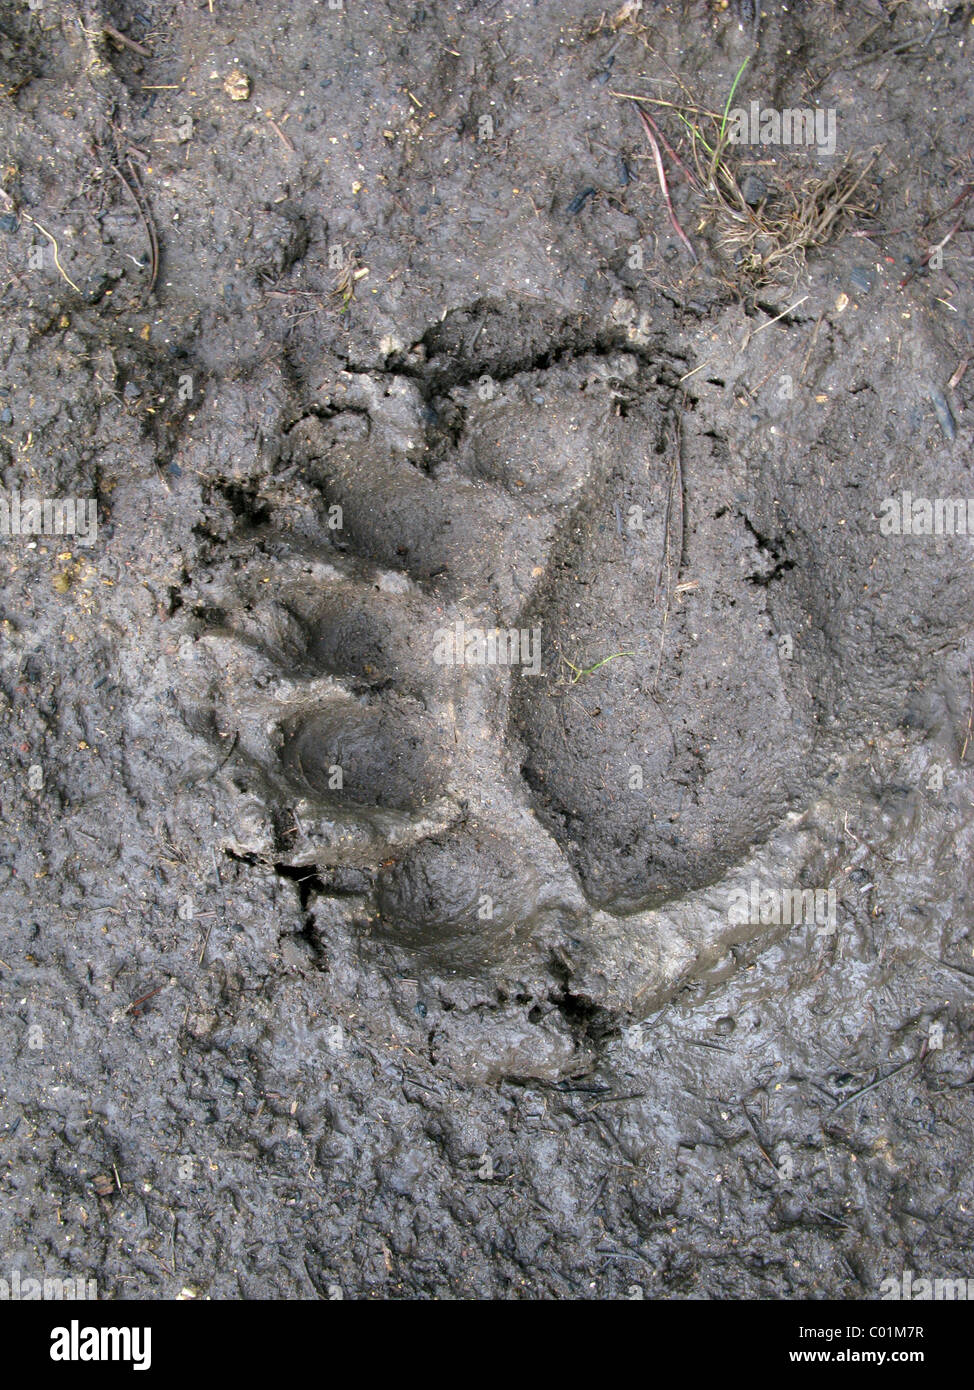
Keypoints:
pixel 332 965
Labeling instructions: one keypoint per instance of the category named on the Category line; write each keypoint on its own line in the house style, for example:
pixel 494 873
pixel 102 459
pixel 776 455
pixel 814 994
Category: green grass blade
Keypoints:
pixel 730 96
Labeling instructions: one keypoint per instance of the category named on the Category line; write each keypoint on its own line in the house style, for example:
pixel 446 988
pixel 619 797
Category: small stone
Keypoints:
pixel 97 286
pixel 623 310
pixel 788 1210
pixel 237 86
pixel 754 189
pixel 9 223
pixel 861 279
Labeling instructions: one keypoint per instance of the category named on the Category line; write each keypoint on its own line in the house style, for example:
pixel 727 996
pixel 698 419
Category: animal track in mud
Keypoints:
pixel 578 506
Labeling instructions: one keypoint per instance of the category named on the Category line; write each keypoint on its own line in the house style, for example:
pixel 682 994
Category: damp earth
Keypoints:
pixel 423 784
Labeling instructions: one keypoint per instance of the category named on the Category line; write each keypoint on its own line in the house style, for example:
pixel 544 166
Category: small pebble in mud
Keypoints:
pixel 861 279
pixel 788 1210
pixel 8 223
pixel 753 189
pixel 96 288
pixel 944 414
pixel 237 86
pixel 579 201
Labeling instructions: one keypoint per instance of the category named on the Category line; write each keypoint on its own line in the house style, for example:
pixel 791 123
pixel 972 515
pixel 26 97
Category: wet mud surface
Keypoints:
pixel 490 627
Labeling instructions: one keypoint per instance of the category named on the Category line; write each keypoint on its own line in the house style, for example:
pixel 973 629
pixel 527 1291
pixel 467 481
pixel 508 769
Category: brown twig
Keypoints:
pixel 925 259
pixel 286 138
pixel 136 1004
pixel 146 219
pixel 970 717
pixel 661 175
pixel 757 1139
pixel 768 322
pixel 962 197
pixel 648 121
pixel 864 1090
pixel 958 376
pixel 674 495
pixel 57 260
pixel 126 42
pixel 811 346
